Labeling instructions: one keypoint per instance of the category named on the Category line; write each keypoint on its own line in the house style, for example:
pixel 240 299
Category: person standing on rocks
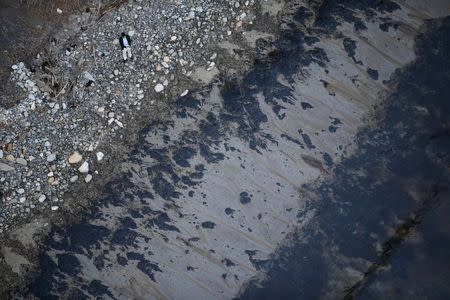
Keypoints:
pixel 125 44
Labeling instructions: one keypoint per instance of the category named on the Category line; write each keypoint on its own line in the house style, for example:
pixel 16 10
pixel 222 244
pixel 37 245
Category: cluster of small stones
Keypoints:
pixel 48 141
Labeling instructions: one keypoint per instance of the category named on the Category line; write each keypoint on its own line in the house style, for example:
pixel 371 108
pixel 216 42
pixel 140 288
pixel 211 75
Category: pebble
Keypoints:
pixel 42 198
pixel 74 178
pixel 84 168
pixel 100 156
pixel 6 168
pixel 191 15
pixel 88 76
pixel 75 158
pixel 51 157
pixel 159 88
pixel 88 178
pixel 21 161
pixel 55 207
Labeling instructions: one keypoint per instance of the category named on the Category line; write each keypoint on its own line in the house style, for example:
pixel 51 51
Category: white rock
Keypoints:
pixel 184 93
pixel 55 207
pixel 42 198
pixel 88 76
pixel 75 158
pixel 22 199
pixel 59 11
pixel 21 191
pixel 100 156
pixel 1 154
pixel 84 168
pixel 120 124
pixel 159 88
pixel 74 178
pixel 88 178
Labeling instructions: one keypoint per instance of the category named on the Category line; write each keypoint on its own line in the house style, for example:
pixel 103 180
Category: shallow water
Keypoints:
pixel 206 197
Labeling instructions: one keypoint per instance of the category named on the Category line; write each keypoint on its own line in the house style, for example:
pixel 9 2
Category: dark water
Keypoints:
pixel 386 206
pixel 394 192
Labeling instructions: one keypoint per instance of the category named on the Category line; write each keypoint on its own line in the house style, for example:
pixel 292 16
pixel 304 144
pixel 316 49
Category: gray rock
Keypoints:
pixel 6 168
pixel 51 157
pixel 88 76
pixel 21 161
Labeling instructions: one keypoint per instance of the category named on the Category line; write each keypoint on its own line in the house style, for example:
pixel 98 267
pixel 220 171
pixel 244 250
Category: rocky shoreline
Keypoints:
pixel 79 97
